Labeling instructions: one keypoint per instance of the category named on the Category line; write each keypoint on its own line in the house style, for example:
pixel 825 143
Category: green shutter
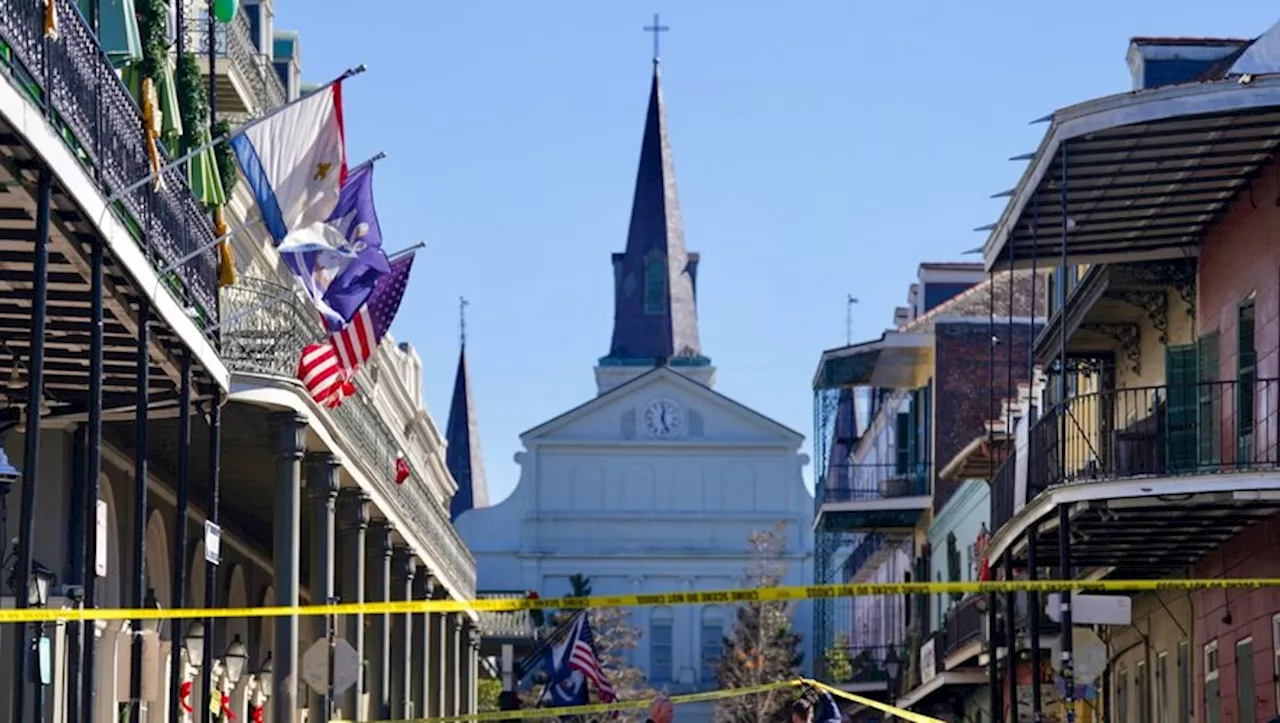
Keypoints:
pixel 1246 381
pixel 1180 411
pixel 1245 686
pixel 902 443
pixel 1209 422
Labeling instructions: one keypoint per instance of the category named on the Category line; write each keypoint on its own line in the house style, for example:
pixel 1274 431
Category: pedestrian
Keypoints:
pixel 661 710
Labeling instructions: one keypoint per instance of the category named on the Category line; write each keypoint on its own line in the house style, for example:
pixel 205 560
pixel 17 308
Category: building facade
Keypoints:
pixel 151 406
pixel 1155 453
pixel 656 483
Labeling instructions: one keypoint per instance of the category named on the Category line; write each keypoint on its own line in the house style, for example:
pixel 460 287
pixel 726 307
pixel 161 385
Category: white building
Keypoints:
pixel 655 484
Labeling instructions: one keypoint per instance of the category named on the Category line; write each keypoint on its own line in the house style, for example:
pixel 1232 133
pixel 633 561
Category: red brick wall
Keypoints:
pixel 1253 553
pixel 962 386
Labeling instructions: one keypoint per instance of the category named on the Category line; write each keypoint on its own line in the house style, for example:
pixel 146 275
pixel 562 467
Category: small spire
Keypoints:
pixel 463 457
pixel 656 28
pixel 462 319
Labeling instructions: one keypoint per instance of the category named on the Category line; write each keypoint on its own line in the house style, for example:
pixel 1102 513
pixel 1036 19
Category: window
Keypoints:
pixel 712 642
pixel 1212 701
pixel 1162 688
pixel 1244 680
pixel 655 285
pixel 1246 378
pixel 1209 422
pixel 1184 682
pixel 1142 682
pixel 1122 694
pixel 1275 657
pixel 661 650
pixel 902 443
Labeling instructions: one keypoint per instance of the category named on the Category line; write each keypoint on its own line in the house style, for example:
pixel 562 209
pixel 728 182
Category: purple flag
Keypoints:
pixel 339 261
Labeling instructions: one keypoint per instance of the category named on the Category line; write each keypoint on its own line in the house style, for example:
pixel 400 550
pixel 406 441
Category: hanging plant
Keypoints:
pixel 226 157
pixel 192 101
pixel 153 31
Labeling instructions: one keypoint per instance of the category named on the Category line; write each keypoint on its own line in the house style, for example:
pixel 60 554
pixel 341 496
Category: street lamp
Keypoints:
pixel 37 586
pixel 893 666
pixel 234 661
pixel 263 676
pixel 193 643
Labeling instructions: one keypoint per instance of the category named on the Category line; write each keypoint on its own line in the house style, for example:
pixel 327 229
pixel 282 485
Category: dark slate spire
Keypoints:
pixel 655 319
pixel 462 455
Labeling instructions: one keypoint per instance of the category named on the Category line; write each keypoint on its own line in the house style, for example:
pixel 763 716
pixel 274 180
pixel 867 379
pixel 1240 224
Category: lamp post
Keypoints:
pixel 893 666
pixel 36 589
pixel 261 682
pixel 232 663
pixel 193 645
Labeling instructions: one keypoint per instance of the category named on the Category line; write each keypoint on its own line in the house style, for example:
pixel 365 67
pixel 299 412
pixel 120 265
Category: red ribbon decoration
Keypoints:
pixel 227 713
pixel 255 714
pixel 184 694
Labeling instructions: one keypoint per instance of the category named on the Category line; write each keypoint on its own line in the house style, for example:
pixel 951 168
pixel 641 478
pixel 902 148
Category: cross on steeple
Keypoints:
pixel 462 319
pixel 656 28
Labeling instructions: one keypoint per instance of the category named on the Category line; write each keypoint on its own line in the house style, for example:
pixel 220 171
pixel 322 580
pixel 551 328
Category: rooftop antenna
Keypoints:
pixel 849 303
pixel 656 28
pixel 462 319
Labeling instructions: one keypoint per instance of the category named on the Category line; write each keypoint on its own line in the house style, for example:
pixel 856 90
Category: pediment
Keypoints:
pixel 702 416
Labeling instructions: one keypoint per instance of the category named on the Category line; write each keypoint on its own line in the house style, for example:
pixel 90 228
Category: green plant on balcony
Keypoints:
pixel 838 662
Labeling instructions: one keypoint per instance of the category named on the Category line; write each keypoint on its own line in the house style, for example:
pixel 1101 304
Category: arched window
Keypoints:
pixel 655 285
pixel 712 635
pixel 661 645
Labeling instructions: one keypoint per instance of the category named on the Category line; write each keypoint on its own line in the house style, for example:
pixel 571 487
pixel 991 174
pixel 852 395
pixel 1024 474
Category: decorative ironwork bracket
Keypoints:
pixel 1128 338
pixel 1156 305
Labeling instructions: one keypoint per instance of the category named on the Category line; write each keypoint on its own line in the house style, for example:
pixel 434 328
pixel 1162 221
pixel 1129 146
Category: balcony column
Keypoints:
pixel 436 657
pixel 452 664
pixel 322 489
pixel 402 634
pixel 353 524
pixel 1011 633
pixel 994 698
pixel 417 663
pixel 471 668
pixel 1033 634
pixel 290 430
pixel 378 589
pixel 1065 572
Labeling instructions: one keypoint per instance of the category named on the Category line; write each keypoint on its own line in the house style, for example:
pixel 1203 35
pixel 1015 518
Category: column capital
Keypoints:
pixel 289 433
pixel 379 542
pixel 322 475
pixel 353 509
pixel 402 561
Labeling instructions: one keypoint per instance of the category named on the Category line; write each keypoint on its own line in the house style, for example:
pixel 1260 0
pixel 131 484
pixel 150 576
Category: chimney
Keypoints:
pixel 901 315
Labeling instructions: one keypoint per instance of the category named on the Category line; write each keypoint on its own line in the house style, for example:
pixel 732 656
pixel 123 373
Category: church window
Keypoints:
pixel 661 646
pixel 655 285
pixel 712 642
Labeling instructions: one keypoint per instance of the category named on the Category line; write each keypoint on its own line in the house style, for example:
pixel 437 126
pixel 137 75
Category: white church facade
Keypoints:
pixel 656 483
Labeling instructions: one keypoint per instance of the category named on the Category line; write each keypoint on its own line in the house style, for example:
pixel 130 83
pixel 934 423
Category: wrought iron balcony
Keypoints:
pixel 265 327
pixel 517 624
pixel 79 92
pixel 866 549
pixel 247 83
pixel 964 623
pixel 847 663
pixel 1157 431
pixel 871 482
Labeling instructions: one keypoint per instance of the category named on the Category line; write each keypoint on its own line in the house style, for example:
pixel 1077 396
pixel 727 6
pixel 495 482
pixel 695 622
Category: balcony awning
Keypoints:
pixel 940 681
pixel 1146 173
pixel 897 360
pixel 980 458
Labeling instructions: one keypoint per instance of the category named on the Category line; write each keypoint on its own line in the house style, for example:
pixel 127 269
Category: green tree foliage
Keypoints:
pixel 762 647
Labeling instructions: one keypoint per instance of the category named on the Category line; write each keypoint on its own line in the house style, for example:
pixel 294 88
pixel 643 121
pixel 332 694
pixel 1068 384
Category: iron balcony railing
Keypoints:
pixel 506 624
pixel 72 81
pixel 265 326
pixel 846 662
pixel 234 42
pixel 866 549
pixel 964 622
pixel 870 482
pixel 1157 431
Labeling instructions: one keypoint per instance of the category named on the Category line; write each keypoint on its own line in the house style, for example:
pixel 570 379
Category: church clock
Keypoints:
pixel 663 419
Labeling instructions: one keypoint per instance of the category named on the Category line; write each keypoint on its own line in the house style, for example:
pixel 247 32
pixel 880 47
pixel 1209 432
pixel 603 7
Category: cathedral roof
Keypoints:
pixel 462 455
pixel 655 306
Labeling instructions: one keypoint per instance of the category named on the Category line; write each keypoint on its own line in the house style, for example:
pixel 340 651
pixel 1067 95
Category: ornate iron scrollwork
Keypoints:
pixel 1156 305
pixel 1128 338
pixel 1088 366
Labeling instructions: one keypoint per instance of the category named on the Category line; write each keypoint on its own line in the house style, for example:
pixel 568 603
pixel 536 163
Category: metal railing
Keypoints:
pixel 234 42
pixel 508 624
pixel 1155 431
pixel 963 623
pixel 73 82
pixel 868 482
pixel 866 549
pixel 265 327
pixel 846 662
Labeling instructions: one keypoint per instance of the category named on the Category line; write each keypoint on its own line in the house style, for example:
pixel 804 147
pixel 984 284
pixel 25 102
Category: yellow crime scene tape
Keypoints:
pixel 792 593
pixel 709 696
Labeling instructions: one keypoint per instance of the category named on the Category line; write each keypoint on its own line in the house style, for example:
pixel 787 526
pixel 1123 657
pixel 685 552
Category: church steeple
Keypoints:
pixel 462 436
pixel 655 321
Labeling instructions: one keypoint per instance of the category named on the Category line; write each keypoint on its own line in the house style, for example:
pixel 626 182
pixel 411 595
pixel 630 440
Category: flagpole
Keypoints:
pixel 350 72
pixel 405 252
pixel 360 167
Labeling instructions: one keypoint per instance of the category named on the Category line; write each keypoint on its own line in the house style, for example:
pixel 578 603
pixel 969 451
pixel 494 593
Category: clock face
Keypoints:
pixel 663 418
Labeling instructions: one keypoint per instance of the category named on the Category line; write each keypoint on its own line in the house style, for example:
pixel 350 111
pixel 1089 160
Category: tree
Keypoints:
pixel 614 638
pixel 762 647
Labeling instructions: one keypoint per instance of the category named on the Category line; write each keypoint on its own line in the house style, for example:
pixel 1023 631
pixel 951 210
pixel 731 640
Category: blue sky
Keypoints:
pixel 822 148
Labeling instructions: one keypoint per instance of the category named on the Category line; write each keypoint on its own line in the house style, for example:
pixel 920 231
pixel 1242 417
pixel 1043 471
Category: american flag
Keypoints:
pixel 326 368
pixel 582 658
